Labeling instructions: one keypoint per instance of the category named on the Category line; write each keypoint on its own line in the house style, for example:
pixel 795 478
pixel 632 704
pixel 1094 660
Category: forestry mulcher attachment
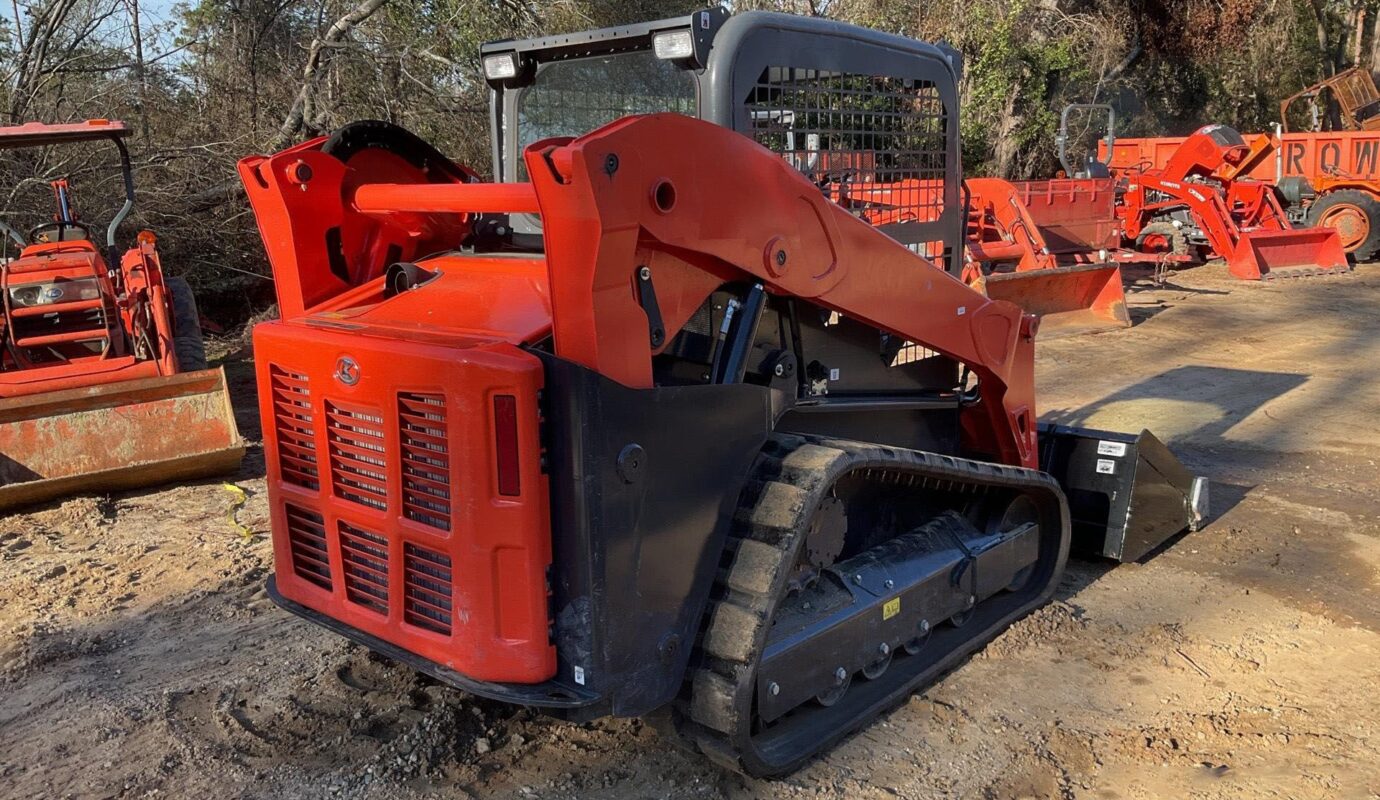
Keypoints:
pixel 653 426
pixel 103 379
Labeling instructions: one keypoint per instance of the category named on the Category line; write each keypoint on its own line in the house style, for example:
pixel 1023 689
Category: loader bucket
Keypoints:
pixel 1262 255
pixel 116 436
pixel 1127 493
pixel 1069 300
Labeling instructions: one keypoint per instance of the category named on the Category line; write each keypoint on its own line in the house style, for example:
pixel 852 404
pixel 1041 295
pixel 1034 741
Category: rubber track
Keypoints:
pixel 791 477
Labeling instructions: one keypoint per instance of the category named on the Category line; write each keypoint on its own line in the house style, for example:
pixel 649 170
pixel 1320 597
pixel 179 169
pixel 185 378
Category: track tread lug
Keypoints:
pixel 732 633
pixel 780 505
pixel 754 568
pixel 713 704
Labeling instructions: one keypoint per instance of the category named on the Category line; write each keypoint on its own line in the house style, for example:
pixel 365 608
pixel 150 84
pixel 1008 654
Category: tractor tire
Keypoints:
pixel 188 343
pixel 1160 234
pixel 1356 217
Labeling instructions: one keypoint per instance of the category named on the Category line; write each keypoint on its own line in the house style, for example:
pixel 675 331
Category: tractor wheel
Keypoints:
pixel 1355 215
pixel 1162 238
pixel 188 344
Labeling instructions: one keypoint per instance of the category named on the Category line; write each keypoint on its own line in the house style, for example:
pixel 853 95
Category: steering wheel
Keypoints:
pixel 37 230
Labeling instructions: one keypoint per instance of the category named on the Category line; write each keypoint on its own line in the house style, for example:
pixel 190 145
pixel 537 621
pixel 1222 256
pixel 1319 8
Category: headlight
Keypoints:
pixel 62 291
pixel 500 66
pixel 671 45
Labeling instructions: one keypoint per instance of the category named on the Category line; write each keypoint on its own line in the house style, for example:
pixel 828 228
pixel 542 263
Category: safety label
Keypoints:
pixel 1111 448
pixel 1106 466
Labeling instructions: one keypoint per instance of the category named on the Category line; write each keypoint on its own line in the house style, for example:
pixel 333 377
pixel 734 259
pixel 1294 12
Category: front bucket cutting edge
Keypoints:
pixel 1068 300
pixel 1262 255
pixel 1127 493
pixel 116 436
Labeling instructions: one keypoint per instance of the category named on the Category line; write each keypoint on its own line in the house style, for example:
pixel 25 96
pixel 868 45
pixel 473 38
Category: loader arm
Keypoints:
pixel 725 209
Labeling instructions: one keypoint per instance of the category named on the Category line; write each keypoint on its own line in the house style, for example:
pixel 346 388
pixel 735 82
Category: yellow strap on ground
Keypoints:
pixel 240 498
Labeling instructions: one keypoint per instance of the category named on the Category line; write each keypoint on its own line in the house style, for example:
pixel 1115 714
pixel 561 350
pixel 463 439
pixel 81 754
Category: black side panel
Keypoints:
pixel 1127 493
pixel 643 487
pixel 932 427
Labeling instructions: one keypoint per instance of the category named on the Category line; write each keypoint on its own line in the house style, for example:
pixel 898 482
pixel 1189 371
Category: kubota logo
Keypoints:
pixel 347 371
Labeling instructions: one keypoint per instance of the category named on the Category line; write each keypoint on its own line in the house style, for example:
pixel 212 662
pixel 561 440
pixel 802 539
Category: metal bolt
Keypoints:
pixel 924 626
pixel 884 648
pixel 774 688
pixel 888 583
pixel 780 258
pixel 611 164
pixel 644 273
pixel 858 579
pixel 972 601
pixel 840 675
pixel 780 370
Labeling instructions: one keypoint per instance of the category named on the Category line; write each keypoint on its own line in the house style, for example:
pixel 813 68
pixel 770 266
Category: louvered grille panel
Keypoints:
pixel 364 561
pixel 425 459
pixel 294 428
pixel 307 540
pixel 426 588
pixel 359 464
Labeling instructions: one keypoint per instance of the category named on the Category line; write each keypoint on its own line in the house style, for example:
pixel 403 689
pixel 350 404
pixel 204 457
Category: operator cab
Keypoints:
pixel 864 117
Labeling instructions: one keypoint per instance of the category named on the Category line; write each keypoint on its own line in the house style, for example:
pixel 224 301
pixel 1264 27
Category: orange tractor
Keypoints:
pixel 654 426
pixel 103 379
pixel 1189 203
pixel 1324 180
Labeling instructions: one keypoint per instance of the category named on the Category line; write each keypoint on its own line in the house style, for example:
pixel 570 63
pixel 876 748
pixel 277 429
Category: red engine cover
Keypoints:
pixel 389 510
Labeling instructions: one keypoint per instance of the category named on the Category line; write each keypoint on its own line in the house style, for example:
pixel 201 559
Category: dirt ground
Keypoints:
pixel 140 657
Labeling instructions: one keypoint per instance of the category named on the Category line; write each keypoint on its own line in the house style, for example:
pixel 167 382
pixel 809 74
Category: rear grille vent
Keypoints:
pixel 426 589
pixel 359 469
pixel 425 459
pixel 294 429
pixel 307 539
pixel 364 560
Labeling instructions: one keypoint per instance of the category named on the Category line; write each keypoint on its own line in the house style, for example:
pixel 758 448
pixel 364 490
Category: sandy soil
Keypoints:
pixel 139 656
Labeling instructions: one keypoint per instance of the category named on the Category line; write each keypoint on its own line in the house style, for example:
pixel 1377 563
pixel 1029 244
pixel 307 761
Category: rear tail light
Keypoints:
pixel 506 444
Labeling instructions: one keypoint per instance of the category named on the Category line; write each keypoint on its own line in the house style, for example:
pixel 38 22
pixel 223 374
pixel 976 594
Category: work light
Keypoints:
pixel 672 45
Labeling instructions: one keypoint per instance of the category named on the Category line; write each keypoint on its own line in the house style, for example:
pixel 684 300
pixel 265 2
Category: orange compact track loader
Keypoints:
pixel 103 379
pixel 654 426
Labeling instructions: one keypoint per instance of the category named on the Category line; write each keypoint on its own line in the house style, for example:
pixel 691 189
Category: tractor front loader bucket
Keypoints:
pixel 1127 493
pixel 1263 254
pixel 116 436
pixel 1084 298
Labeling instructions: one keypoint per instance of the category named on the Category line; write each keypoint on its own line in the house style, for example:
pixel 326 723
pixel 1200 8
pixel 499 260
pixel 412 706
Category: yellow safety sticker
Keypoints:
pixel 891 608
